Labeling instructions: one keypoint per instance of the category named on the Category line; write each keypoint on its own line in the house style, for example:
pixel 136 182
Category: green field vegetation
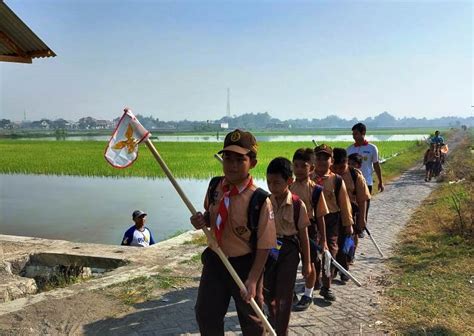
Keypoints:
pixel 187 160
pixel 432 286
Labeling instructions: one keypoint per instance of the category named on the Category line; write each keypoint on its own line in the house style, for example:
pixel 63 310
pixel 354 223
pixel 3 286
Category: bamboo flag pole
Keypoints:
pixel 211 241
pixel 333 261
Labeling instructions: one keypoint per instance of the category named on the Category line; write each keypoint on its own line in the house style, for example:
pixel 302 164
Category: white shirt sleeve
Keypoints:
pixel 375 154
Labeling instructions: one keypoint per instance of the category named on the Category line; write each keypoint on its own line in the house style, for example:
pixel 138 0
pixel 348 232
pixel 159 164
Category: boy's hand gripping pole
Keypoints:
pixel 375 243
pixel 210 238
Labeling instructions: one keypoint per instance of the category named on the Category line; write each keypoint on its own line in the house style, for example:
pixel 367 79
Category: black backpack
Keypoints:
pixel 319 189
pixel 353 172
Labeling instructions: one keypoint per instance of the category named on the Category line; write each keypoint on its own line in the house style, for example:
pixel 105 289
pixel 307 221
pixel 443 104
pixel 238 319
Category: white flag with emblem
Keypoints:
pixel 122 149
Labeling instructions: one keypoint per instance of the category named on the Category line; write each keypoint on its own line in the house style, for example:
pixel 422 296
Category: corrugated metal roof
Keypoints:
pixel 17 39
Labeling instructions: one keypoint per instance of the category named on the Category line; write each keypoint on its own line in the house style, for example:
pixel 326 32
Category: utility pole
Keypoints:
pixel 228 102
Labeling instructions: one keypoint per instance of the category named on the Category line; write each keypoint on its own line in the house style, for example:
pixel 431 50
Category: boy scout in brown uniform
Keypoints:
pixel 227 216
pixel 303 186
pixel 358 193
pixel 291 221
pixel 339 206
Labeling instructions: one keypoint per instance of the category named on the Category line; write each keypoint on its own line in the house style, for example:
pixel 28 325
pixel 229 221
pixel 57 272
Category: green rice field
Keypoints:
pixel 186 160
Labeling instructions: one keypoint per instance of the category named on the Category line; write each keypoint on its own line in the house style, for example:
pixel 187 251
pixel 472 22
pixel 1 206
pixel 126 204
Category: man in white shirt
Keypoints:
pixel 138 234
pixel 370 157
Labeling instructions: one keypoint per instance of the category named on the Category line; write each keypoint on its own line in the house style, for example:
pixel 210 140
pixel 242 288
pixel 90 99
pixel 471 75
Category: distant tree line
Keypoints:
pixel 256 121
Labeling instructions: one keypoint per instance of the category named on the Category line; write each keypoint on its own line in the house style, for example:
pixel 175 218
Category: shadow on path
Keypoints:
pixel 171 314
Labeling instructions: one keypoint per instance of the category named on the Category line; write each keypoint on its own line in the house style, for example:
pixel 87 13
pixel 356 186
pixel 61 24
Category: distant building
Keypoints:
pixel 104 124
pixel 45 124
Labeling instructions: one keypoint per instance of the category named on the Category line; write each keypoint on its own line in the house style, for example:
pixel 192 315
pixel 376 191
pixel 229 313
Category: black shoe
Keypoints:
pixel 327 294
pixel 317 285
pixel 303 304
pixel 344 278
pixel 295 298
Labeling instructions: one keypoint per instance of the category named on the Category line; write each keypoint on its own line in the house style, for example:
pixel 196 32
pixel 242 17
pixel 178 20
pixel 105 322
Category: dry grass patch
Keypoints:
pixel 144 288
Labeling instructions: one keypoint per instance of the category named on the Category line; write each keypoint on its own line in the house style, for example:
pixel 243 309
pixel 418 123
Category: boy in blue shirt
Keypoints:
pixel 437 139
pixel 138 234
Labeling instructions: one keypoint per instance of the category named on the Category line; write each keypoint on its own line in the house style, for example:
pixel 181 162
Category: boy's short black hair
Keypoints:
pixel 304 154
pixel 281 166
pixel 357 158
pixel 339 155
pixel 359 127
pixel 252 155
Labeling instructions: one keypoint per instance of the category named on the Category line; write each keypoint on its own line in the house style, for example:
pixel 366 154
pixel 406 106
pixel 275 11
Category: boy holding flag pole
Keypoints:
pixel 122 151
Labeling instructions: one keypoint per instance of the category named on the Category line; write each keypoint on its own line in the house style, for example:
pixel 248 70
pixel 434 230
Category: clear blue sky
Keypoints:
pixel 175 59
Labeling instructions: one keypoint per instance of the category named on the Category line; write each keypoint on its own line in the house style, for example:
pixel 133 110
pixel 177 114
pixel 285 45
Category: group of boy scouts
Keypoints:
pixel 323 209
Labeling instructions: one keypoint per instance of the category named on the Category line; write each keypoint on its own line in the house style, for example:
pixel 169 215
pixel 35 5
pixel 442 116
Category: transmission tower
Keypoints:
pixel 228 102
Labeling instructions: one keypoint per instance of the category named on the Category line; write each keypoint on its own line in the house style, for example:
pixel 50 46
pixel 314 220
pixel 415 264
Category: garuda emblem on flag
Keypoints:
pixel 122 149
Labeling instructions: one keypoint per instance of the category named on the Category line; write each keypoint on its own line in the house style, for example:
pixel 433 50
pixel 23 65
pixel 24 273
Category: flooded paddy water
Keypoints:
pixel 93 209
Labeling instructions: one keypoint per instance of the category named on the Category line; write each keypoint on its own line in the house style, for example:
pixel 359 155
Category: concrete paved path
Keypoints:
pixel 356 311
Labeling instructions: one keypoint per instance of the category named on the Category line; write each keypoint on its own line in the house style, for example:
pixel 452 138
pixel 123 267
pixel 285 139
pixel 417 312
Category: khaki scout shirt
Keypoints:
pixel 284 216
pixel 362 192
pixel 329 185
pixel 235 240
pixel 304 190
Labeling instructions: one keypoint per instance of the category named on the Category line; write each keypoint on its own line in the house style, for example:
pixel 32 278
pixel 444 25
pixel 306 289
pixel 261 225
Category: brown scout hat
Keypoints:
pixel 240 142
pixel 323 148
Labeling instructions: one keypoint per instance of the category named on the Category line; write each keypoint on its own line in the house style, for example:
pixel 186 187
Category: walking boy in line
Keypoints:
pixel 303 187
pixel 340 212
pixel 358 194
pixel 227 214
pixel 291 221
pixel 138 234
pixel 355 160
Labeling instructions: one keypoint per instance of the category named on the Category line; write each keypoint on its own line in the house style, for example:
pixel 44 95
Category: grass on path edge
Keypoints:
pixel 431 291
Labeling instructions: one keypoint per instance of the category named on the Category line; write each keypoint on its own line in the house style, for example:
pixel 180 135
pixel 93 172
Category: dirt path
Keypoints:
pixel 355 312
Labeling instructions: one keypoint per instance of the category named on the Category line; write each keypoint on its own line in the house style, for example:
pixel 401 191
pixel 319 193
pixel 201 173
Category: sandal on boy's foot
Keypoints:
pixel 303 304
pixel 327 294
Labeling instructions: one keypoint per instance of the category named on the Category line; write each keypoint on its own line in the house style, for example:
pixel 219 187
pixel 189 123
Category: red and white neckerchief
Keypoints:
pixel 365 143
pixel 319 180
pixel 224 206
